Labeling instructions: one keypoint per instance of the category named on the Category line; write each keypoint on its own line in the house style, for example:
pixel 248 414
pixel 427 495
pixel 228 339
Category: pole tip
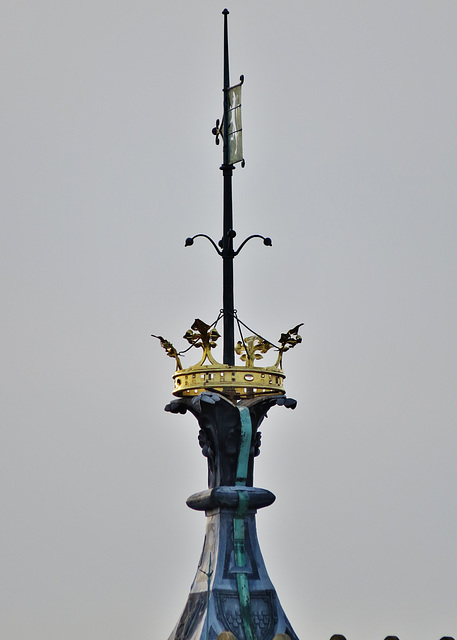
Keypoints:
pixel 225 12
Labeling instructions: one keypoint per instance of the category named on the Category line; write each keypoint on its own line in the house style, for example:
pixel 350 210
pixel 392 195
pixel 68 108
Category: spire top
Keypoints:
pixel 227 377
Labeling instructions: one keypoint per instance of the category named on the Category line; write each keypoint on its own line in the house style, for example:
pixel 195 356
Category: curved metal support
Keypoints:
pixel 266 241
pixel 190 241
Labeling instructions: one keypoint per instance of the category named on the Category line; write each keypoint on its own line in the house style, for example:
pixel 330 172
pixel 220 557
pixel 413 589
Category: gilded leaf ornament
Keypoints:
pixel 170 350
pixel 288 341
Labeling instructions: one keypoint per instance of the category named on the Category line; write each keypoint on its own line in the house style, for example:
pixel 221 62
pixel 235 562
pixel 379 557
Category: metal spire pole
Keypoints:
pixel 230 130
pixel 227 230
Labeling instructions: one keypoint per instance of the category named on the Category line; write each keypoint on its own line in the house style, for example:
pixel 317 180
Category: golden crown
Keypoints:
pixel 237 382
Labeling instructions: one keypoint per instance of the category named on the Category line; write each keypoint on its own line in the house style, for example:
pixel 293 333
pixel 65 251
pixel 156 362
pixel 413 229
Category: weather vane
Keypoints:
pixel 230 130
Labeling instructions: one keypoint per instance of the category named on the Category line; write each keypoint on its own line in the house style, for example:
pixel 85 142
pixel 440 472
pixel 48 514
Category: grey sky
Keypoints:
pixel 108 164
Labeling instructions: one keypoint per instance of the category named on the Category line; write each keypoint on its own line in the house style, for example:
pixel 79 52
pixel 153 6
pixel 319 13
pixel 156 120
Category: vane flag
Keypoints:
pixel 234 141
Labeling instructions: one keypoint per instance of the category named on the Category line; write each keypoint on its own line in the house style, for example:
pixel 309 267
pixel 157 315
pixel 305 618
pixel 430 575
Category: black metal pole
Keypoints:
pixel 227 231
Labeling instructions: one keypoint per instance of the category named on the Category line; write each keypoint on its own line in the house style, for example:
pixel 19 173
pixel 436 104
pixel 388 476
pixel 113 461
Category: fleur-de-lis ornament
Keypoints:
pixel 202 335
pixel 247 350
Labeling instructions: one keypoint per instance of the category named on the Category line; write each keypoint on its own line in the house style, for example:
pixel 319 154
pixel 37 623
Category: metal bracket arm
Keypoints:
pixel 190 241
pixel 266 241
